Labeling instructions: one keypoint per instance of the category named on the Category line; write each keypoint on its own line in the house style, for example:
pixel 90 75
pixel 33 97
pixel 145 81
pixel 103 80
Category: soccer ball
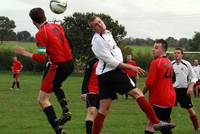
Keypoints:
pixel 58 6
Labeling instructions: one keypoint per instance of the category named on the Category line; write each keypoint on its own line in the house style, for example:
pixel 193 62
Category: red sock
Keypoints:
pixel 98 123
pixel 146 107
pixel 195 121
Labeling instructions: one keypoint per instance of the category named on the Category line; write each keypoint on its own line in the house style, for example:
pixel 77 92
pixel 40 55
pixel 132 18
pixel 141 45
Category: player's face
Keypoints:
pixel 196 62
pixel 98 26
pixel 178 55
pixel 157 50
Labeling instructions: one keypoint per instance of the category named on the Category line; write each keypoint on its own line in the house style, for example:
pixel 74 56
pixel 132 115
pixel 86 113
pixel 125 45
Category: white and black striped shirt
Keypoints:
pixel 197 71
pixel 107 51
pixel 184 74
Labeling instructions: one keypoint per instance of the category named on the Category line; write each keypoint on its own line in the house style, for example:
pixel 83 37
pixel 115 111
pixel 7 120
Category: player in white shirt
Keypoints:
pixel 112 79
pixel 196 68
pixel 185 80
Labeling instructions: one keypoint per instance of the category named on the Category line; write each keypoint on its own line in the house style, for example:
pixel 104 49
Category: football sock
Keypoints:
pixel 98 123
pixel 88 125
pixel 195 121
pixel 18 84
pixel 51 116
pixel 13 85
pixel 148 132
pixel 146 107
pixel 62 99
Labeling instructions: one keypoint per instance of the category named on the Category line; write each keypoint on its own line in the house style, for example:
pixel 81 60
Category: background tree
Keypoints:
pixel 194 43
pixel 23 36
pixel 76 26
pixel 6 28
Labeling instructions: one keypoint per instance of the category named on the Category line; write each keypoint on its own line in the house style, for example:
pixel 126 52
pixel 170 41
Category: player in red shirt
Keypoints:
pixel 132 74
pixel 90 93
pixel 159 83
pixel 16 69
pixel 51 41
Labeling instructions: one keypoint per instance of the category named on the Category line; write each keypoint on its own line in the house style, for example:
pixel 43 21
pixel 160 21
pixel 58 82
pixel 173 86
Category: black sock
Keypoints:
pixel 51 116
pixel 13 85
pixel 148 132
pixel 62 99
pixel 89 125
pixel 18 84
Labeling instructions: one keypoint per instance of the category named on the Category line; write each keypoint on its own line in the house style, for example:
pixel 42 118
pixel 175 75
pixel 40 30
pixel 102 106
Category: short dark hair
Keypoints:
pixel 37 15
pixel 91 19
pixel 180 49
pixel 163 43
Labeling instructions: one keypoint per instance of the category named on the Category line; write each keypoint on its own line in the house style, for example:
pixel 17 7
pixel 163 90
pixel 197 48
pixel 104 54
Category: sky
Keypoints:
pixel 141 18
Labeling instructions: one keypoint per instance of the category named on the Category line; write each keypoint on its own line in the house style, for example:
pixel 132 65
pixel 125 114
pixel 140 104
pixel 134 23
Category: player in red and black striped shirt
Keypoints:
pixel 51 41
pixel 16 69
pixel 159 83
pixel 90 93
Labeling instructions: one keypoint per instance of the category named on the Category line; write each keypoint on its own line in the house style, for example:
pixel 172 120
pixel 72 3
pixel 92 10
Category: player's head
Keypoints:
pixel 178 53
pixel 14 58
pixel 37 15
pixel 196 62
pixel 97 24
pixel 129 57
pixel 160 48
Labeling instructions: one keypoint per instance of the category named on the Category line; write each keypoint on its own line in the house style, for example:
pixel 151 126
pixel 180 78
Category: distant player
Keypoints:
pixel 90 93
pixel 185 80
pixel 196 68
pixel 132 74
pixel 159 83
pixel 16 69
pixel 51 40
pixel 112 79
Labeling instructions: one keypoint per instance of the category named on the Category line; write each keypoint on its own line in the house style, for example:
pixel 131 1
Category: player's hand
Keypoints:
pixel 138 70
pixel 83 97
pixel 19 50
pixel 189 91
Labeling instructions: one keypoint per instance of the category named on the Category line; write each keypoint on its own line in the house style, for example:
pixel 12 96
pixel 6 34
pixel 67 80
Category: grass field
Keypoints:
pixel 21 114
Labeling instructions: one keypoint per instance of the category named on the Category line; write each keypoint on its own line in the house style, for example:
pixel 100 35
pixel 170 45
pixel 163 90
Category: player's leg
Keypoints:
pixel 186 103
pixel 193 117
pixel 43 99
pixel 164 115
pixel 92 102
pixel 146 108
pixel 195 90
pixel 17 81
pixel 91 112
pixel 62 72
pixel 14 81
pixel 105 105
pixel 149 128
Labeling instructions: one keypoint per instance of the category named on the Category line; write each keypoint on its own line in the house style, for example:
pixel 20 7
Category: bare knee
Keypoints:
pixel 136 92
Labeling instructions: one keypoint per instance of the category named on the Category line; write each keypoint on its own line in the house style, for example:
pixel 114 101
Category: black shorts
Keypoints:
pixel 92 100
pixel 113 82
pixel 183 98
pixel 163 114
pixel 133 78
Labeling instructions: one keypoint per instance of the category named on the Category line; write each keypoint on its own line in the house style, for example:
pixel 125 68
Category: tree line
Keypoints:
pixel 7 33
pixel 80 35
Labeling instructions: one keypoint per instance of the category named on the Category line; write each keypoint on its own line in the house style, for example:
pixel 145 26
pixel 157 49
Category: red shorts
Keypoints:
pixel 54 76
pixel 197 83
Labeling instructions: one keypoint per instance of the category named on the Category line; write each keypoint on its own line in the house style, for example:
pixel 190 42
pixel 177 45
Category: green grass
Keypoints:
pixel 21 114
pixel 144 49
pixel 11 44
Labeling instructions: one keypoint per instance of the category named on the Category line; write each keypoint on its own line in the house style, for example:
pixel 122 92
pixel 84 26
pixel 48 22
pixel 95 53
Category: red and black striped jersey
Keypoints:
pixel 160 84
pixel 90 81
pixel 51 40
